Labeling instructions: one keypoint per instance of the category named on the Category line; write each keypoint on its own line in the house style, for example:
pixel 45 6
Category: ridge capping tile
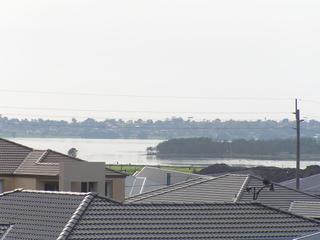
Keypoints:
pixel 59 192
pixel 245 183
pixel 6 232
pixel 12 191
pixel 76 216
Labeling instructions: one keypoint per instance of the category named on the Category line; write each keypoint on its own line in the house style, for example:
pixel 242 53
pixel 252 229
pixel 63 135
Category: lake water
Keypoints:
pixel 125 151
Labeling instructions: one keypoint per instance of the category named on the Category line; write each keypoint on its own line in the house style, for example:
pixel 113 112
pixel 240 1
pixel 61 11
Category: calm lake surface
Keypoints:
pixel 125 151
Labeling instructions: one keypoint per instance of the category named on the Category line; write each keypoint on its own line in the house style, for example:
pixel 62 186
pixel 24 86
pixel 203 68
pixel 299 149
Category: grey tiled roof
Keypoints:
pixel 308 184
pixel 40 215
pixel 11 155
pixel 313 236
pixel 188 221
pixel 37 215
pixel 226 188
pixel 281 197
pixel 305 208
pixel 4 229
pixel 152 178
pixel 220 189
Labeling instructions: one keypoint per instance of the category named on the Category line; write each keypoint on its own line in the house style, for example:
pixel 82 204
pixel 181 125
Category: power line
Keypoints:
pixel 313 116
pixel 141 96
pixel 131 111
pixel 310 100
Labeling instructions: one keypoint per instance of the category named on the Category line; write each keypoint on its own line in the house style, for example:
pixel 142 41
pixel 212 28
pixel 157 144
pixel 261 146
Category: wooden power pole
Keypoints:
pixel 298 121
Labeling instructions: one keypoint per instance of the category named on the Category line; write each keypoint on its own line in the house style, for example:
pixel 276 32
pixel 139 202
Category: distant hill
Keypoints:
pixel 150 129
pixel 239 148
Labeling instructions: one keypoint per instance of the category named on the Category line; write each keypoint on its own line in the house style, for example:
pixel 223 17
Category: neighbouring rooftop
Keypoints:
pixel 78 216
pixel 225 188
pixel 306 208
pixel 18 159
pixel 309 184
pixel 152 178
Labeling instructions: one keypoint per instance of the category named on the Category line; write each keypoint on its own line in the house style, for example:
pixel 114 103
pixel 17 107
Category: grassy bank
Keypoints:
pixel 131 169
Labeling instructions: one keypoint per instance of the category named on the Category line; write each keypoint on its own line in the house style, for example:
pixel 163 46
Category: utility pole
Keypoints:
pixel 298 121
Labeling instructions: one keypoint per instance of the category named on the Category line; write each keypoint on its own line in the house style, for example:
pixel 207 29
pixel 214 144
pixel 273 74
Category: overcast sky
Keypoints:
pixel 239 53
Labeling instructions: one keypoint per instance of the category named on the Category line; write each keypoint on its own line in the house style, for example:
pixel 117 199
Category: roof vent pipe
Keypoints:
pixel 168 179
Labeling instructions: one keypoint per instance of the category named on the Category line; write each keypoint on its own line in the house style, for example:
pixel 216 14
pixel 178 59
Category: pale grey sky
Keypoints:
pixel 219 49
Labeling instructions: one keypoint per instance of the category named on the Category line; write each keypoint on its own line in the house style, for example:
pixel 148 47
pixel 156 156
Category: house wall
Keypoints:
pixel 25 182
pixel 118 188
pixel 70 178
pixel 8 183
pixel 40 181
pixel 75 186
pixel 72 173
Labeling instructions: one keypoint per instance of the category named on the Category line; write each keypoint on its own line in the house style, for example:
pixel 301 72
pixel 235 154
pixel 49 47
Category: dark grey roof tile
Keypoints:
pixel 37 215
pixel 188 221
pixel 306 208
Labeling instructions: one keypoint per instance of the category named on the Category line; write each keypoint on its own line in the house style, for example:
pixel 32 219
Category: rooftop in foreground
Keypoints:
pixel 77 216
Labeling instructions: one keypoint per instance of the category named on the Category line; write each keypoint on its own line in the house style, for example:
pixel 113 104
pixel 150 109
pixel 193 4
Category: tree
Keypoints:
pixel 73 152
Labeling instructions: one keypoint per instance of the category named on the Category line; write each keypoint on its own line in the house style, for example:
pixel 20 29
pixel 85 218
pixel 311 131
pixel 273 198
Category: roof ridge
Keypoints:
pixel 43 155
pixel 56 192
pixel 10 226
pixel 76 216
pixel 173 189
pixel 169 170
pixel 108 199
pixel 307 236
pixel 15 143
pixel 10 192
pixel 244 185
pixel 300 201
pixel 25 159
pixel 190 203
pixel 65 155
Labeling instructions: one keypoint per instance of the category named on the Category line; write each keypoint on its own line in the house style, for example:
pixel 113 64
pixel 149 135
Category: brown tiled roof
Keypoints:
pixel 11 155
pixel 33 165
pixel 18 159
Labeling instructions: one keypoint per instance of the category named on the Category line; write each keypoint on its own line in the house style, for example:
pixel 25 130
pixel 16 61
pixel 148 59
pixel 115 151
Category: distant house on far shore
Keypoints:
pixel 24 167
pixel 152 178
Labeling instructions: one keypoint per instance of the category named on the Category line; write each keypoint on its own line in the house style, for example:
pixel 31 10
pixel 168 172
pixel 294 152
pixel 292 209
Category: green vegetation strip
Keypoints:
pixel 131 169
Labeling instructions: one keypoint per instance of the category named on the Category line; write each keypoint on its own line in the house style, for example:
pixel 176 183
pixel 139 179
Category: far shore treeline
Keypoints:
pixel 240 148
pixel 174 127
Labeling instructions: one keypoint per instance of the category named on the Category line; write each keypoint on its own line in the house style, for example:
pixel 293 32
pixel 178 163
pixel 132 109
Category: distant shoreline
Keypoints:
pixel 262 158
